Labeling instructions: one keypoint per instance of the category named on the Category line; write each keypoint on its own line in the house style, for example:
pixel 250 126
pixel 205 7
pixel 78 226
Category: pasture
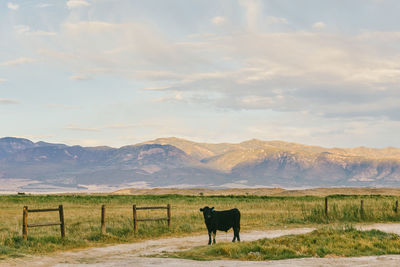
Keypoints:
pixel 83 217
pixel 324 242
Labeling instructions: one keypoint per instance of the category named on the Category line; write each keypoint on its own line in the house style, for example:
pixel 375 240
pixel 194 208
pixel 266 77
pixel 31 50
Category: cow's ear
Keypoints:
pixel 201 209
pixel 212 209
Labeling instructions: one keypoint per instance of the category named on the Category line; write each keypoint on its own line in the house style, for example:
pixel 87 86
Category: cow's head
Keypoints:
pixel 207 212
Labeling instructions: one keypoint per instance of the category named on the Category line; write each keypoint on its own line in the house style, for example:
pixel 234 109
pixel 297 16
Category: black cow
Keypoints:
pixel 221 220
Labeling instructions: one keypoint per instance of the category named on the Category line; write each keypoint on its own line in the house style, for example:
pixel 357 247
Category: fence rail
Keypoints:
pixel 43 210
pixel 25 224
pixel 152 208
pixel 136 220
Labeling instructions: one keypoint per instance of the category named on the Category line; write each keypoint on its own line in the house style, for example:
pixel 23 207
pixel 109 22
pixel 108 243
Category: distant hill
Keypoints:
pixel 179 162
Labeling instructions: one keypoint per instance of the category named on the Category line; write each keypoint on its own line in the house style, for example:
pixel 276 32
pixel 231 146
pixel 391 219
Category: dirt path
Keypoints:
pixel 130 254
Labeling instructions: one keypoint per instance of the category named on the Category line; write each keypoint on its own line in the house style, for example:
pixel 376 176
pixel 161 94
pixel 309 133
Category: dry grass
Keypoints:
pixel 327 242
pixel 82 217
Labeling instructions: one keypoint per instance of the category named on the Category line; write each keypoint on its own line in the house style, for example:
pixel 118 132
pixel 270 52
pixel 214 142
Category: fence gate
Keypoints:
pixel 25 224
pixel 135 219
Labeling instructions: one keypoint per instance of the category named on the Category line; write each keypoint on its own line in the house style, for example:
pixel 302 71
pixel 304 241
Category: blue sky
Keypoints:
pixel 110 72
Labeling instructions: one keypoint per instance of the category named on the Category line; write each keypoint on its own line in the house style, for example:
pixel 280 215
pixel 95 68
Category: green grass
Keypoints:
pixel 326 242
pixel 82 217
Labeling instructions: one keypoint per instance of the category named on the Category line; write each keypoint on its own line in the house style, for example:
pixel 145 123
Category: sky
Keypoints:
pixel 119 72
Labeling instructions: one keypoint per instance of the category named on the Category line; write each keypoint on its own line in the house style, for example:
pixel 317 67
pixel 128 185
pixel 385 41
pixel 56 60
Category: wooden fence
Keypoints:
pixel 60 209
pixel 136 220
pixel 25 224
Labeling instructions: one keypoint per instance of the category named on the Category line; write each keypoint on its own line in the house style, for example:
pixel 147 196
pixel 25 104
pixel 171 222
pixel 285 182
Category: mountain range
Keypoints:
pixel 183 163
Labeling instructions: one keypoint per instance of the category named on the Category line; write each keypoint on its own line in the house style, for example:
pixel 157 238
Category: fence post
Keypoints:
pixel 362 208
pixel 62 225
pixel 103 221
pixel 169 215
pixel 25 223
pixel 326 206
pixel 397 206
pixel 134 219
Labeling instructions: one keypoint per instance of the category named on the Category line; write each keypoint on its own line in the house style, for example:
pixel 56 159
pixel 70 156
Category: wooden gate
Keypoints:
pixel 135 219
pixel 25 224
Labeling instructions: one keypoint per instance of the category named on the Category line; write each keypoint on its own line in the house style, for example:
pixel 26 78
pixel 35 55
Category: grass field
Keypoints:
pixel 325 242
pixel 82 217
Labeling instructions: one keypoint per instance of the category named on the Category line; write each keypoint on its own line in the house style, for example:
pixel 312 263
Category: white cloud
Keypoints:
pixel 2 80
pixel 312 72
pixel 42 33
pixel 77 3
pixel 218 20
pixel 90 27
pixel 26 30
pixel 18 61
pixel 20 29
pixel 276 20
pixel 80 77
pixel 7 101
pixel 134 50
pixel 159 88
pixel 315 73
pixel 319 25
pixel 12 6
pixel 176 97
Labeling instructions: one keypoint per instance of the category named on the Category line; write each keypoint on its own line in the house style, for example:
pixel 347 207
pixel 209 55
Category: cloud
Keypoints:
pixel 80 78
pixel 276 20
pixel 41 33
pixel 77 3
pixel 89 27
pixel 177 97
pixel 12 6
pixel 134 50
pixel 2 80
pixel 159 88
pixel 20 29
pixel 81 129
pixel 7 101
pixel 121 126
pixel 323 74
pixel 218 20
pixel 18 61
pixel 328 75
pixel 319 25
pixel 25 30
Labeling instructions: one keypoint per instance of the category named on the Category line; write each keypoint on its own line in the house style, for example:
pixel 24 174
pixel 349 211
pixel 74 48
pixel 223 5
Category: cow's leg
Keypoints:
pixel 237 234
pixel 209 238
pixel 214 233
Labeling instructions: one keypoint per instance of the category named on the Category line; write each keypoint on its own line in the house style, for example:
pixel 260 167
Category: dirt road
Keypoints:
pixel 131 254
